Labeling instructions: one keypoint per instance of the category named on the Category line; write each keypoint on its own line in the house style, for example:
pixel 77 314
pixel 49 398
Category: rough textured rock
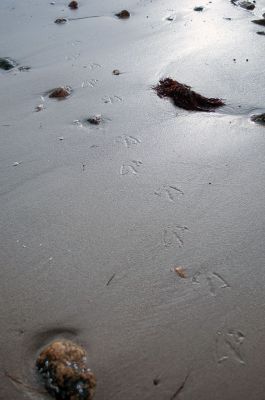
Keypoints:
pixel 62 367
pixel 60 92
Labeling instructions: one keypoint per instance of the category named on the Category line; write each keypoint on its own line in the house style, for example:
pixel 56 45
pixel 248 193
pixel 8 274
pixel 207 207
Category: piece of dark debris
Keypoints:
pixel 116 72
pixel 259 21
pixel 124 14
pixel 60 21
pixel 199 8
pixel 259 119
pixel 247 5
pixel 95 119
pixel 261 33
pixel 24 68
pixel 183 97
pixel 73 5
pixel 7 64
pixel 39 108
pixel 156 381
pixel 60 92
pixel 63 370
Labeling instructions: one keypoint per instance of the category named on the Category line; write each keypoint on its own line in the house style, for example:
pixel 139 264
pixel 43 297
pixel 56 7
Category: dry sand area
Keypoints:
pixel 95 217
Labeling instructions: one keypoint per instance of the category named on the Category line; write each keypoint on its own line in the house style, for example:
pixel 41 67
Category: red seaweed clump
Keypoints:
pixel 62 367
pixel 184 97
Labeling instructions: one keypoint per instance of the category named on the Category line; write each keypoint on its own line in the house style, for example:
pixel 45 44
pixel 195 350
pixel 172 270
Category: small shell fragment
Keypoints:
pixel 181 272
pixel 40 107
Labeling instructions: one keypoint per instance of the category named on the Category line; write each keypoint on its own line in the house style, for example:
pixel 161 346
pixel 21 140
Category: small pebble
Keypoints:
pixel 16 163
pixel 60 92
pixel 116 72
pixel 124 14
pixel 60 138
pixel 261 33
pixel 73 5
pixel 199 8
pixel 40 107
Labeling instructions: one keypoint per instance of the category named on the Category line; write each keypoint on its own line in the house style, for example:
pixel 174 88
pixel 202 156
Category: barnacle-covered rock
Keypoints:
pixel 62 367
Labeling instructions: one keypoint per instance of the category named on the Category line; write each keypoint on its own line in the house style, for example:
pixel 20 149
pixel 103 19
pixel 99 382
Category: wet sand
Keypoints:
pixel 94 218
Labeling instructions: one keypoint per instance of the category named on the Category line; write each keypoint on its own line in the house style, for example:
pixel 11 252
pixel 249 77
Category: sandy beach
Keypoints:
pixel 95 218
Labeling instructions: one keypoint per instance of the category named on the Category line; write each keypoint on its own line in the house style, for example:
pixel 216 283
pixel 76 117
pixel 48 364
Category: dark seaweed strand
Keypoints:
pixel 184 97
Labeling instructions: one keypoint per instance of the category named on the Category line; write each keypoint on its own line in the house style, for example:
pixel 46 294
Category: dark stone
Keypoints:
pixel 259 119
pixel 73 5
pixel 261 33
pixel 199 8
pixel 124 14
pixel 259 21
pixel 7 64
